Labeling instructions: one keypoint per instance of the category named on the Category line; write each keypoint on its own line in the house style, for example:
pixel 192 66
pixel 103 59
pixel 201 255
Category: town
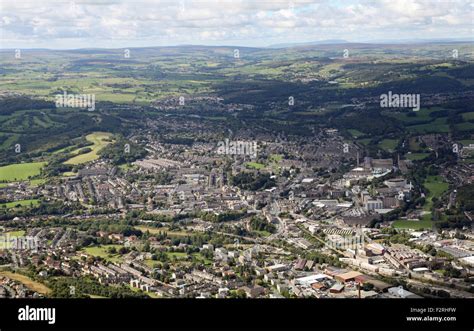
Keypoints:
pixel 312 218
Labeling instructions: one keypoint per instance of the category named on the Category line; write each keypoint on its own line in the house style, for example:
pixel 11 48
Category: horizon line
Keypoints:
pixel 327 42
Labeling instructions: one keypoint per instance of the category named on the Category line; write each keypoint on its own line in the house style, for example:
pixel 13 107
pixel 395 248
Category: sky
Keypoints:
pixel 68 24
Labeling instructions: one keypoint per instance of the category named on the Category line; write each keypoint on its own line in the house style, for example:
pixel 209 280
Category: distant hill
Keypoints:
pixel 375 42
pixel 422 41
pixel 311 43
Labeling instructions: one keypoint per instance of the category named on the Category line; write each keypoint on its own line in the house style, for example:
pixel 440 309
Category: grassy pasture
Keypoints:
pixel 169 232
pixel 436 187
pixel 20 171
pixel 21 203
pixel 388 144
pixel 101 251
pixel 27 281
pixel 99 142
pixel 255 165
pixel 356 133
pixel 415 225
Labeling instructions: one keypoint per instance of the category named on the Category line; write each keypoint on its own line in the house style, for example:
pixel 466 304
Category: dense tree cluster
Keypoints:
pixel 259 224
pixel 86 286
pixel 253 182
pixel 465 197
pixel 123 151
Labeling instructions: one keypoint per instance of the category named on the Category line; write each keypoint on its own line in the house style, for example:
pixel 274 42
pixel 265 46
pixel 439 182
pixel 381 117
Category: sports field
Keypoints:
pixel 424 223
pixel 436 187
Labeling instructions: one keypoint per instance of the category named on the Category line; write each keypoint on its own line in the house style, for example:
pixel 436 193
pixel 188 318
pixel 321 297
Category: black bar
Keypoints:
pixel 230 314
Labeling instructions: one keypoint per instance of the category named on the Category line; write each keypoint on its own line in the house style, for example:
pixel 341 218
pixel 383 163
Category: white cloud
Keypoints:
pixel 116 23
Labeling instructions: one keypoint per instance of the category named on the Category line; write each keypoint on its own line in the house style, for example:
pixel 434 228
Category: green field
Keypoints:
pixel 422 122
pixel 356 133
pixel 439 125
pixel 37 182
pixel 468 126
pixel 467 142
pixel 255 165
pixel 169 232
pixel 18 233
pixel 178 255
pixel 263 233
pixel 415 225
pixel 275 158
pixel 414 145
pixel 388 144
pixel 20 171
pixel 127 166
pixel 21 203
pixel 68 149
pixel 102 251
pixel 436 187
pixel 364 141
pixel 99 140
pixel 69 174
pixel 412 118
pixel 468 116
